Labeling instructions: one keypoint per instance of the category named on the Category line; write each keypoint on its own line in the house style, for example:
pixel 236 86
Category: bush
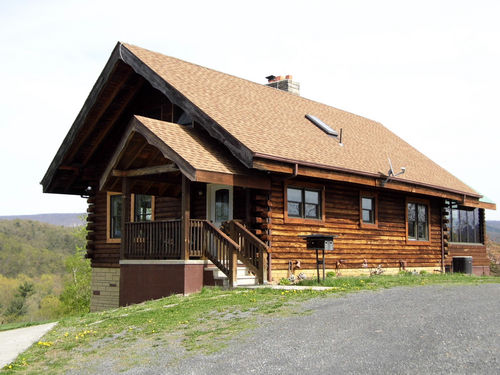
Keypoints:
pixel 285 281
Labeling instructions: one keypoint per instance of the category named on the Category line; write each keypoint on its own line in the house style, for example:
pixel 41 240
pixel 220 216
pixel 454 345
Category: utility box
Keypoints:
pixel 320 242
pixel 462 265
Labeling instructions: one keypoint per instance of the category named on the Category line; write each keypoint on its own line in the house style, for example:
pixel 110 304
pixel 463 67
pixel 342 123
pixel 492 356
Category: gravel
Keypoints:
pixel 425 330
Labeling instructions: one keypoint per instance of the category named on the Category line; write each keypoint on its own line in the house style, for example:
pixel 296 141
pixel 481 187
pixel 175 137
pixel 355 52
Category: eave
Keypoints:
pixel 295 168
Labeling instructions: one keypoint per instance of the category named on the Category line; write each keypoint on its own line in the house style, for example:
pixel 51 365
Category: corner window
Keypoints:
pixel 368 209
pixel 465 224
pixel 115 204
pixel 304 203
pixel 418 221
pixel 143 207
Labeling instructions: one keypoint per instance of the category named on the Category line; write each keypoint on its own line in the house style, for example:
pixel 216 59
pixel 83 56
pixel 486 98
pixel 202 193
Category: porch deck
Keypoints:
pixel 158 240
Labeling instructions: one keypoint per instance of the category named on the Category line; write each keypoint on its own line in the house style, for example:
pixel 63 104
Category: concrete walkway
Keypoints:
pixel 16 341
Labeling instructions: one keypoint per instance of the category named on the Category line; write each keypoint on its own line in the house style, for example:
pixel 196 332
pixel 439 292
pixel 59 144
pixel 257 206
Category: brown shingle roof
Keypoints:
pixel 193 146
pixel 272 122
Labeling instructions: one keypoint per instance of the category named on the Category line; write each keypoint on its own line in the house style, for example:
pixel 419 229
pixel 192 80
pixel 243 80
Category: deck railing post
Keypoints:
pixel 125 215
pixel 186 213
pixel 233 267
pixel 262 265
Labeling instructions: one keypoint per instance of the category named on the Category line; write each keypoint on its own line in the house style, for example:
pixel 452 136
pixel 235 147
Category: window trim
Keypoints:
pixel 420 201
pixel 110 239
pixel 373 195
pixel 300 220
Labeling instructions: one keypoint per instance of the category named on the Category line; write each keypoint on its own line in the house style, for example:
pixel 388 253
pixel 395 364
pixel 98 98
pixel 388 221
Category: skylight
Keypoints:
pixel 320 124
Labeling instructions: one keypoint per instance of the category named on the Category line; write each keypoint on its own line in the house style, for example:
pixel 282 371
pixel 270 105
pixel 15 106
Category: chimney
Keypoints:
pixel 284 83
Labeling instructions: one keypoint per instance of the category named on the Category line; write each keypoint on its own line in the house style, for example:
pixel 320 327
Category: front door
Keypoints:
pixel 219 203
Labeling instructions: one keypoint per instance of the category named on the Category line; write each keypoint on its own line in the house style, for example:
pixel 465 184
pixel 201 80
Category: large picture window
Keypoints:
pixel 304 203
pixel 418 221
pixel 465 225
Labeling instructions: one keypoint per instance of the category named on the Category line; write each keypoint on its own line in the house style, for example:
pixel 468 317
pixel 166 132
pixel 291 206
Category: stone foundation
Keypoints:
pixel 105 289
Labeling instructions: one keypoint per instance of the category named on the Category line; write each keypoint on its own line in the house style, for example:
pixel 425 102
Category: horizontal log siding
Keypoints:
pixel 385 245
pixel 477 252
pixel 104 254
pixel 167 208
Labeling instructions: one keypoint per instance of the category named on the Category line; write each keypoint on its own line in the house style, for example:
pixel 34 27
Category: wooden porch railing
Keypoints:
pixel 252 251
pixel 221 250
pixel 152 240
pixel 162 240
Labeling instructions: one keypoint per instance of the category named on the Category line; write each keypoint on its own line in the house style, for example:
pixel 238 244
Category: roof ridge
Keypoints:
pixel 278 91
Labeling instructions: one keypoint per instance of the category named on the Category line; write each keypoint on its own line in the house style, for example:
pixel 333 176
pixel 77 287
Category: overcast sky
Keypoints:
pixel 427 70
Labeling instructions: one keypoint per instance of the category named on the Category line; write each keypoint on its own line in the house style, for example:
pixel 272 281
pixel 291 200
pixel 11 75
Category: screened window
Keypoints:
pixel 418 221
pixel 304 203
pixel 143 207
pixel 465 225
pixel 368 210
pixel 115 216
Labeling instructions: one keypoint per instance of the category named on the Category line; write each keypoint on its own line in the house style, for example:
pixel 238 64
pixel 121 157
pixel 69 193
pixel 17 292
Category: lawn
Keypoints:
pixel 178 326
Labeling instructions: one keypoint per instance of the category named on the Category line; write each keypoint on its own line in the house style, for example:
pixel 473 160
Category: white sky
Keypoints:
pixel 428 70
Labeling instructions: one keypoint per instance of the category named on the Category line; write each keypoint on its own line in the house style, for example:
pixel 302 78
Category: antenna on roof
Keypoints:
pixel 391 174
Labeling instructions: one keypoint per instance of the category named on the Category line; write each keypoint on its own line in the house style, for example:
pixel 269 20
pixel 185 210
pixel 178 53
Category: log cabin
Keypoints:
pixel 195 177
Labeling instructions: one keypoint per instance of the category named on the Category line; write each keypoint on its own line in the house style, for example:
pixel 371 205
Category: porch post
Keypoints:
pixel 186 216
pixel 125 213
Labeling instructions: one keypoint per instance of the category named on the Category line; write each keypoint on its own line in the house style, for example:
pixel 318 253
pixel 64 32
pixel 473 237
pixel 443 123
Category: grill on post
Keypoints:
pixel 320 242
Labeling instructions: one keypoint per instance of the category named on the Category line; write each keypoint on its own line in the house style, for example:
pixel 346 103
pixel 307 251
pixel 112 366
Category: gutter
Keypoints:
pixel 296 163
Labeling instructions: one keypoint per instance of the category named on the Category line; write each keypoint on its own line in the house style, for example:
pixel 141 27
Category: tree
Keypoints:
pixel 17 306
pixel 75 296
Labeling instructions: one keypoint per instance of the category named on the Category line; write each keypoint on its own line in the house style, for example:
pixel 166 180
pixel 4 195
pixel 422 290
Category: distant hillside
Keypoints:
pixel 65 220
pixel 493 230
pixel 33 248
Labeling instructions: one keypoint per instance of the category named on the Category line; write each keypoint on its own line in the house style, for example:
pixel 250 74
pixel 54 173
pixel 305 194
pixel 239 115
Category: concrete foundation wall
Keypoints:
pixel 143 280
pixel 105 286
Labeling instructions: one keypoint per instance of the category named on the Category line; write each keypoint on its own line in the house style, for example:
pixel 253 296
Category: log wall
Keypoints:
pixel 385 245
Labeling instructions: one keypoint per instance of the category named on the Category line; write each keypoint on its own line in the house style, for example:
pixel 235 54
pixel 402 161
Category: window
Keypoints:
pixel 221 205
pixel 304 203
pixel 368 209
pixel 418 221
pixel 115 204
pixel 465 224
pixel 143 207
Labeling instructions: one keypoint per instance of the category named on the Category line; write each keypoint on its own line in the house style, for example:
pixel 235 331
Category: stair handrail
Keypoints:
pixel 252 252
pixel 222 251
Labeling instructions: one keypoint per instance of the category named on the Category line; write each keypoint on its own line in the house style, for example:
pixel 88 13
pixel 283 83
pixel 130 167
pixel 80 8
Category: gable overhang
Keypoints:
pixel 122 54
pixel 295 168
pixel 176 162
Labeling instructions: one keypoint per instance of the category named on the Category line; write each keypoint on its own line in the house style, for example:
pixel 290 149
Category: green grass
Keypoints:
pixel 181 326
pixel 9 326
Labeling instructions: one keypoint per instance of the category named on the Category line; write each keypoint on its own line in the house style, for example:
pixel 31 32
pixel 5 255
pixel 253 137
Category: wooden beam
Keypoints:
pixel 104 104
pixel 125 213
pixel 130 95
pixel 186 216
pixel 157 169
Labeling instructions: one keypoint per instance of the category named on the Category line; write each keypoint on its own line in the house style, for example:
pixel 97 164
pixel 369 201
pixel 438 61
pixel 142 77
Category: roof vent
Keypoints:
pixel 283 83
pixel 320 124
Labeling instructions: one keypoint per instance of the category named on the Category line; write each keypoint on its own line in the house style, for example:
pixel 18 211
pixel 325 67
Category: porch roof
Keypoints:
pixel 197 156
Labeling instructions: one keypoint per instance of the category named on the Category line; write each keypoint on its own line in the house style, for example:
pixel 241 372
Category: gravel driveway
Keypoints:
pixel 421 330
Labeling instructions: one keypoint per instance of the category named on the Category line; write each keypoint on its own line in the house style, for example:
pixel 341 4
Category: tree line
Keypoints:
pixel 43 272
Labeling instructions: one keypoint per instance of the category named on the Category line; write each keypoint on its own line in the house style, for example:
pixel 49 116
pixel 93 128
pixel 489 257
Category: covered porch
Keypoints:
pixel 201 218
